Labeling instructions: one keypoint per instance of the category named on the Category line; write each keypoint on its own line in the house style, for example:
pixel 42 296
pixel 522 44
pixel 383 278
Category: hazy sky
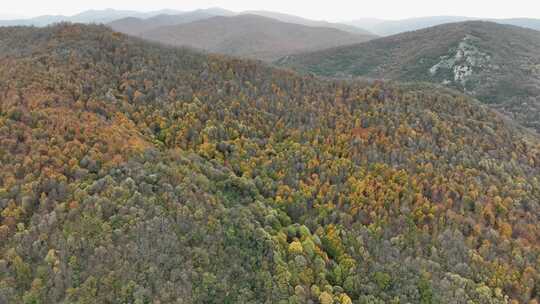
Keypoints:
pixel 317 9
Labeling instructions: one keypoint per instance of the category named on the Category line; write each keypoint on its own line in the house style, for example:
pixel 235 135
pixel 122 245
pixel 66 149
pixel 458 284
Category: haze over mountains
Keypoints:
pixel 498 64
pixel 391 27
pixel 91 16
pixel 374 26
pixel 137 26
pixel 260 35
pixel 251 36
pixel 168 16
pixel 307 22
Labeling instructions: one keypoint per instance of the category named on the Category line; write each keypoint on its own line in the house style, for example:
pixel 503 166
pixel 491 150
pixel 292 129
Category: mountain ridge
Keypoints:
pixel 493 62
pixel 137 26
pixel 303 21
pixel 251 36
pixel 117 17
pixel 391 27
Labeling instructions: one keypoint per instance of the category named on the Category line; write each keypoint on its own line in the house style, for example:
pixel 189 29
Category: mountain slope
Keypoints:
pixel 307 22
pixel 135 173
pixel 393 27
pixel 134 22
pixel 137 26
pixel 523 22
pixel 499 64
pixel 251 36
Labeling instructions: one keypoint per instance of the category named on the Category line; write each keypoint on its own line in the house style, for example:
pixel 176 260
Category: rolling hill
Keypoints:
pixel 136 173
pixel 137 26
pixel 251 36
pixel 498 64
pixel 307 22
pixel 136 22
pixel 523 22
pixel 392 27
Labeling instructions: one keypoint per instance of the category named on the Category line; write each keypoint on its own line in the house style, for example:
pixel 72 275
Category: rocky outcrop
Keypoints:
pixel 463 61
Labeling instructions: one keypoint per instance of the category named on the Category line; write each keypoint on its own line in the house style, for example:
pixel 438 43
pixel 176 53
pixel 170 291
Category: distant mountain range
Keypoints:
pixel 261 35
pixel 391 27
pixel 307 22
pixel 137 26
pixel 91 16
pixel 124 18
pixel 244 35
pixel 498 64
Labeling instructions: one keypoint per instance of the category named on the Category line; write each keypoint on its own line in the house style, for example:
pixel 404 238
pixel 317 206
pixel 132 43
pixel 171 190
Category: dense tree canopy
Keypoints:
pixel 135 173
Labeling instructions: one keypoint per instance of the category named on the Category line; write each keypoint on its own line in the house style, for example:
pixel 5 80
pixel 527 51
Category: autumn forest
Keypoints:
pixel 133 172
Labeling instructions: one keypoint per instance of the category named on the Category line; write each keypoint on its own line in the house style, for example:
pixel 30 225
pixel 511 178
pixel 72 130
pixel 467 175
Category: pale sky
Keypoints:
pixel 331 10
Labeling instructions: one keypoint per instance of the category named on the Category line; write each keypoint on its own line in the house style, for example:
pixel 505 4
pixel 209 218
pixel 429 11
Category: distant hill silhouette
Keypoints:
pixel 392 27
pixel 252 36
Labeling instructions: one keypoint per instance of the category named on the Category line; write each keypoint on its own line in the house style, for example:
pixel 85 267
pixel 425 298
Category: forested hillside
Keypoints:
pixel 498 64
pixel 135 173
